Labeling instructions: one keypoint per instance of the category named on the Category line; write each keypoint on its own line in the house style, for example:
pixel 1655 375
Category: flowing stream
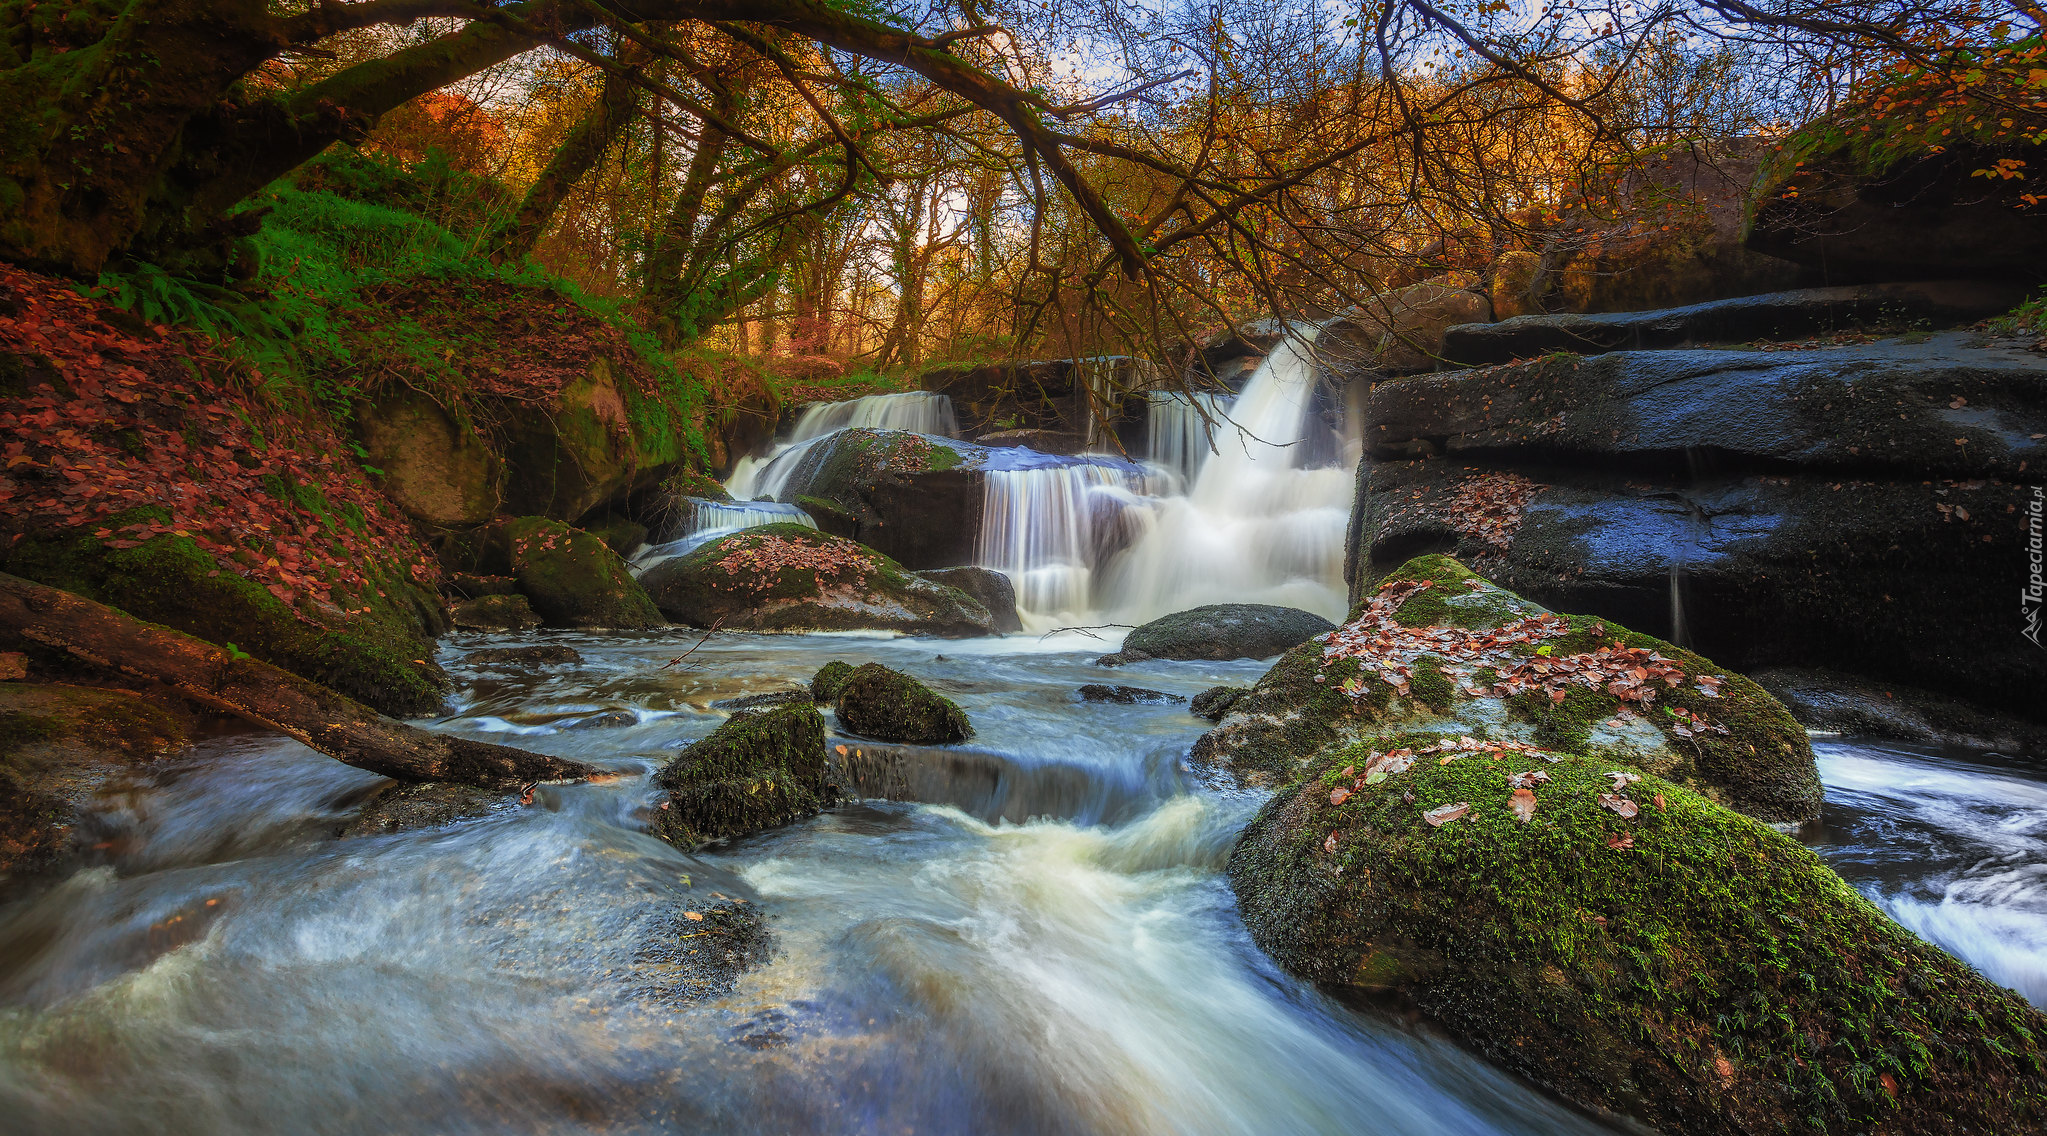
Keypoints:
pixel 1044 943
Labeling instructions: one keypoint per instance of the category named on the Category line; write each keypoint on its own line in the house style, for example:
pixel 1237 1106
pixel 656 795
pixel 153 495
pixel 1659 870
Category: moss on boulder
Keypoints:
pixel 1441 639
pixel 571 577
pixel 1221 632
pixel 494 613
pixel 756 771
pixel 1627 944
pixel 824 685
pixel 380 654
pixel 788 577
pixel 876 702
pixel 58 745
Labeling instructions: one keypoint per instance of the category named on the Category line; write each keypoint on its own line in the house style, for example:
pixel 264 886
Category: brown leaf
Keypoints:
pixel 1523 803
pixel 1621 841
pixel 1444 814
pixel 1329 845
pixel 1339 795
pixel 1621 805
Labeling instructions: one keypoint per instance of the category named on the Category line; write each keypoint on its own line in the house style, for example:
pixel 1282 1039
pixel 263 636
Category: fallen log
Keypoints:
pixel 336 725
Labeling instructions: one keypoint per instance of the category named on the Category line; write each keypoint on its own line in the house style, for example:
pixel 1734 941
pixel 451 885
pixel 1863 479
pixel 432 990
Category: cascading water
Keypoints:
pixel 758 478
pixel 1049 528
pixel 705 521
pixel 1179 426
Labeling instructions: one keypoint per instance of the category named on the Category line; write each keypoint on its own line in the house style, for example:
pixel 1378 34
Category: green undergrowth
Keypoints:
pixel 1687 966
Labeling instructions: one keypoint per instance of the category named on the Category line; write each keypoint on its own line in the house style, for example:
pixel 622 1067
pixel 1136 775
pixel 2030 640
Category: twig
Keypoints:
pixel 1088 631
pixel 693 650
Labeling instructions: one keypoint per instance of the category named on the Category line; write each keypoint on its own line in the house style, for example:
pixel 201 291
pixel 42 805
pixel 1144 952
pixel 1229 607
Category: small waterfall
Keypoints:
pixel 1178 428
pixel 765 477
pixel 1048 529
pixel 704 521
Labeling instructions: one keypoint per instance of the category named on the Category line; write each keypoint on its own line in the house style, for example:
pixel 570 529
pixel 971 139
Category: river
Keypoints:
pixel 1045 943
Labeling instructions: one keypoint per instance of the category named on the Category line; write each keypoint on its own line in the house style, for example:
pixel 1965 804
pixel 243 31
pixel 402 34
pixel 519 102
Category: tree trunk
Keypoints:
pixel 339 727
pixel 587 143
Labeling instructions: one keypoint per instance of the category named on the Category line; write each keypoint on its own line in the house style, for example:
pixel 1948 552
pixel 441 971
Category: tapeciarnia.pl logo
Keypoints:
pixel 2031 599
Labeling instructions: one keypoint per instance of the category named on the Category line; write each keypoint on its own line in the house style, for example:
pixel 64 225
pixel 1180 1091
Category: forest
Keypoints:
pixel 1112 566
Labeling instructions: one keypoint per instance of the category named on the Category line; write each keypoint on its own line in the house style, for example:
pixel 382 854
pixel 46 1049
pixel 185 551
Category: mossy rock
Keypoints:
pixel 494 613
pixel 58 745
pixel 1307 705
pixel 888 705
pixel 824 685
pixel 571 578
pixel 695 483
pixel 382 658
pixel 1221 632
pixel 1684 966
pixel 619 534
pixel 757 771
pixel 788 577
pixel 399 807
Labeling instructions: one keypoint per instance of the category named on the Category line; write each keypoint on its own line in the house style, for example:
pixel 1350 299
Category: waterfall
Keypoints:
pixel 1092 544
pixel 1178 428
pixel 703 521
pixel 765 477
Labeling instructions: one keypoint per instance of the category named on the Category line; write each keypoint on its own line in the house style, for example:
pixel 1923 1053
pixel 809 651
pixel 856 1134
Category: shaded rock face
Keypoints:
pixel 1627 944
pixel 1125 695
pixel 1227 358
pixel 494 613
pixel 1825 700
pixel 1216 701
pixel 570 577
pixel 1045 394
pixel 887 705
pixel 792 578
pixel 1745 319
pixel 1850 217
pixel 58 745
pixel 1437 648
pixel 578 453
pixel 1220 632
pixel 913 498
pixel 1792 507
pixel 435 469
pixel 758 770
pixel 991 588
pixel 1043 441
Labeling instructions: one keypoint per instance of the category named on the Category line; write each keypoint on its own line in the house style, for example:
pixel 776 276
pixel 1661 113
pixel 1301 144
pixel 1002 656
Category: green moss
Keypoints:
pixel 756 771
pixel 1707 975
pixel 695 483
pixel 1430 685
pixel 572 579
pixel 381 659
pixel 876 702
pixel 824 686
pixel 619 534
pixel 943 457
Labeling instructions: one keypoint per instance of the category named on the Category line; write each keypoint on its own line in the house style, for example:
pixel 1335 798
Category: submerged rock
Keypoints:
pixel 401 807
pixel 1627 944
pixel 1439 648
pixel 540 655
pixel 874 701
pixel 1216 701
pixel 1220 632
pixel 764 700
pixel 991 588
pixel 792 578
pixel 1124 695
pixel 494 613
pixel 58 745
pixel 756 771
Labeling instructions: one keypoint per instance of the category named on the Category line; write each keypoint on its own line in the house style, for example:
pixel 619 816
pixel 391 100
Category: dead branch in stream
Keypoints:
pixel 234 683
pixel 1088 631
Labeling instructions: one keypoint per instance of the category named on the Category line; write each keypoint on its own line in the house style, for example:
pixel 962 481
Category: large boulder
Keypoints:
pixel 1624 942
pixel 791 578
pixel 1437 648
pixel 1220 632
pixel 990 587
pixel 569 576
pixel 915 498
pixel 59 744
pixel 1745 319
pixel 1798 507
pixel 436 467
pixel 758 770
pixel 493 613
pixel 887 705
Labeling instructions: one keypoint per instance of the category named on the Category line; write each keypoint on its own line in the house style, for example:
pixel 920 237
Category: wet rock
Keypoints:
pixel 569 576
pixel 59 745
pixel 1804 507
pixel 1043 441
pixel 1216 701
pixel 913 498
pixel 602 720
pixel 1043 394
pixel 1125 695
pixel 567 457
pixel 1842 703
pixel 494 613
pixel 792 578
pixel 401 807
pixel 697 952
pixel 991 588
pixel 756 771
pixel 620 534
pixel 874 701
pixel 540 655
pixel 470 586
pixel 824 685
pixel 1745 319
pixel 1580 684
pixel 1219 632
pixel 1618 942
pixel 764 700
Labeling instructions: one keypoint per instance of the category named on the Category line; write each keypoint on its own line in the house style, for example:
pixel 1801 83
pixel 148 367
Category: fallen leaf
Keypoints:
pixel 1527 780
pixel 1621 805
pixel 1622 779
pixel 1339 795
pixel 1523 803
pixel 1444 814
pixel 1329 845
pixel 1621 841
pixel 693 916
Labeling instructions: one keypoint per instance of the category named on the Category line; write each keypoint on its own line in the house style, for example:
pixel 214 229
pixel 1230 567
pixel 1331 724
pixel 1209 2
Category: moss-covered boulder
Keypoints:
pixel 757 771
pixel 1220 632
pixel 1628 944
pixel 791 578
pixel 824 685
pixel 569 576
pixel 991 588
pixel 58 745
pixel 435 465
pixel 1439 648
pixel 887 705
pixel 494 613
pixel 916 498
pixel 379 654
